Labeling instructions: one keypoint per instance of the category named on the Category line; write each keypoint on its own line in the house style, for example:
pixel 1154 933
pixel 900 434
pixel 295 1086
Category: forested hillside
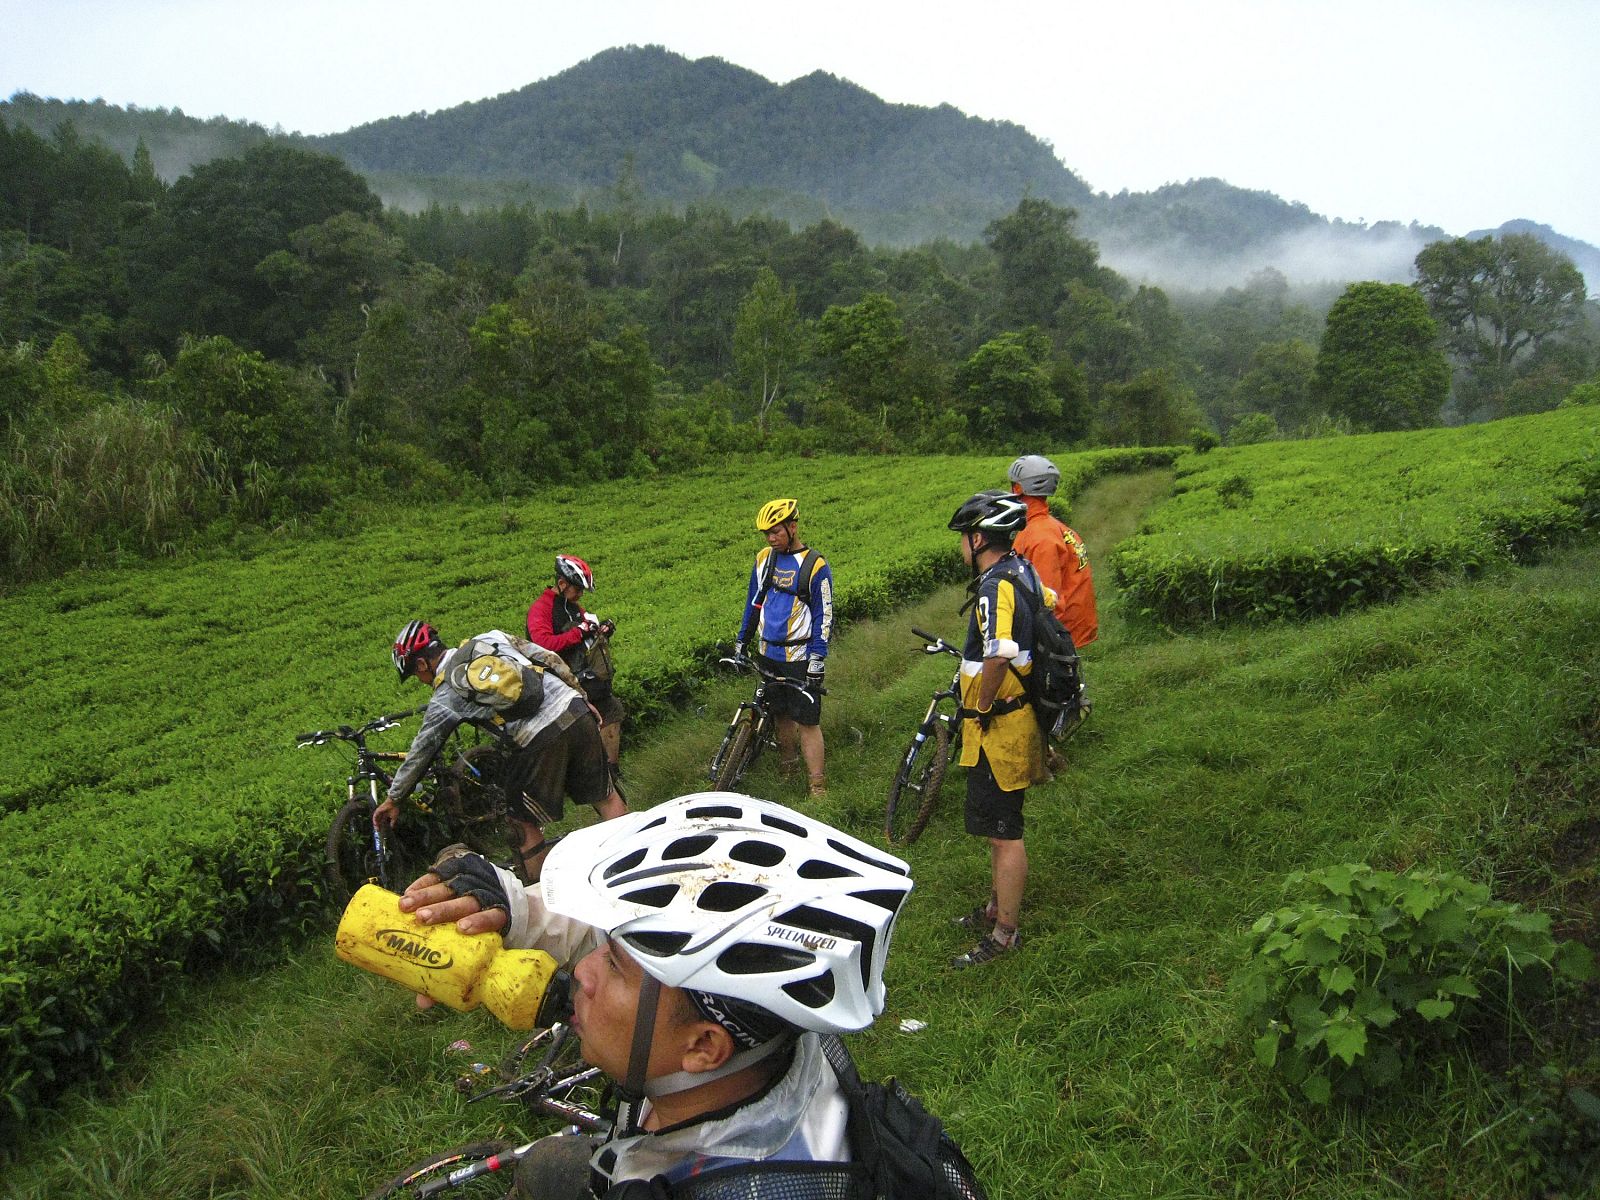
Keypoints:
pixel 261 343
pixel 645 125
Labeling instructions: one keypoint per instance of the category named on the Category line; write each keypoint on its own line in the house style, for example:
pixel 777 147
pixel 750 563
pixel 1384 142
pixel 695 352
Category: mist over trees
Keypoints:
pixel 262 342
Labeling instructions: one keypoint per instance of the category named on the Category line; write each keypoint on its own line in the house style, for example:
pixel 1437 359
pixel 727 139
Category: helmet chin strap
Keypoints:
pixel 636 1087
pixel 682 1081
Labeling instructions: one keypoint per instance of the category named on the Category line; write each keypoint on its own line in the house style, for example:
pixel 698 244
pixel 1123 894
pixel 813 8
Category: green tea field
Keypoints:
pixel 1367 650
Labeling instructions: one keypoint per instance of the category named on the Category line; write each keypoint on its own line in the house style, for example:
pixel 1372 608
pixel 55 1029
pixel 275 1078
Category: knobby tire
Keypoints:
pixel 915 791
pixel 741 753
pixel 495 1184
pixel 349 858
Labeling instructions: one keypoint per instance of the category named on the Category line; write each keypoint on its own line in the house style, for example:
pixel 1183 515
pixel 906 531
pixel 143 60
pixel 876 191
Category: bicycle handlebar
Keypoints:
pixel 936 644
pixel 768 674
pixel 346 733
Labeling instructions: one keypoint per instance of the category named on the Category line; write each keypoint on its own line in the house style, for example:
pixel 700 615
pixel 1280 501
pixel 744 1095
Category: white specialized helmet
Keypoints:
pixel 724 894
pixel 1036 474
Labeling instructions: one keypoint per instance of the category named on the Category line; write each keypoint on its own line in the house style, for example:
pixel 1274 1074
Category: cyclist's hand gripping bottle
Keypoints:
pixel 524 988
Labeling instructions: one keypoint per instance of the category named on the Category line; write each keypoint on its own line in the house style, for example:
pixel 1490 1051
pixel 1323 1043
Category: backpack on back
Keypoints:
pixel 497 677
pixel 904 1148
pixel 1055 685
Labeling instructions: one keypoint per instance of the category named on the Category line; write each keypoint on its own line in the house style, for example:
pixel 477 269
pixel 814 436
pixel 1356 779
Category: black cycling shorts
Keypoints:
pixel 800 707
pixel 992 812
pixel 570 763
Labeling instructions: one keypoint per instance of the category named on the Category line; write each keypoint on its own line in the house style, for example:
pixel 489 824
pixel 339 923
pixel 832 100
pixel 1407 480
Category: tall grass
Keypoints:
pixel 123 479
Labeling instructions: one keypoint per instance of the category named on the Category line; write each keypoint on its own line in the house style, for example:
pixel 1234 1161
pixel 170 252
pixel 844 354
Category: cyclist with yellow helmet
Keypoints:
pixel 789 607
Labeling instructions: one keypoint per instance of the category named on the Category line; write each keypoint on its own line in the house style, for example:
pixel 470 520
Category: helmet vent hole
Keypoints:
pixel 653 897
pixel 888 900
pixel 657 945
pixel 779 823
pixel 712 812
pixel 625 864
pixel 872 861
pixel 814 869
pixel 688 847
pixel 763 960
pixel 727 896
pixel 760 854
pixel 816 992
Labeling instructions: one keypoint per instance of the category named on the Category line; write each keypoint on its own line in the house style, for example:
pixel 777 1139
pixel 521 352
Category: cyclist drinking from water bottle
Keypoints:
pixel 789 606
pixel 525 696
pixel 716 938
pixel 557 621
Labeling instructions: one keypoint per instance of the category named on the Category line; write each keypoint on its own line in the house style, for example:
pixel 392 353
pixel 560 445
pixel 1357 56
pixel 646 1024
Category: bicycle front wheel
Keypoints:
pixel 350 859
pixel 738 752
pixel 432 1175
pixel 915 790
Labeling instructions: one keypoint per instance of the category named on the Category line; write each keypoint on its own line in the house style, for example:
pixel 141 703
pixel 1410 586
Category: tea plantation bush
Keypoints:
pixel 153 812
pixel 1302 528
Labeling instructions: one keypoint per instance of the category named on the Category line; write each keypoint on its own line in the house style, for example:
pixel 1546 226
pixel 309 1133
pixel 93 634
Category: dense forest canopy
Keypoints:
pixel 261 340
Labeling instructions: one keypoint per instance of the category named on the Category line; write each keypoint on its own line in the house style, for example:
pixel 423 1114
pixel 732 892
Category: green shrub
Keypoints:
pixel 1366 969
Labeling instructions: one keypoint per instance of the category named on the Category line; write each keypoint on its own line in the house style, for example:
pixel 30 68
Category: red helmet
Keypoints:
pixel 575 571
pixel 416 638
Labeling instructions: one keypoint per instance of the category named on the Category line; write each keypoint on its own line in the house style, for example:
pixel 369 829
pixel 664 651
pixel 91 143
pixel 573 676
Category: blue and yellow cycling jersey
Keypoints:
pixel 1001 626
pixel 795 613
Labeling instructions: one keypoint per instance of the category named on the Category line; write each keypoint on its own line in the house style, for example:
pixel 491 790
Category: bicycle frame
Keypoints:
pixel 758 711
pixel 914 792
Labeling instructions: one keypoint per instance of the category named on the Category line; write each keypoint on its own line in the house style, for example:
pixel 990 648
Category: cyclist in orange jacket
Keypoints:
pixel 1055 550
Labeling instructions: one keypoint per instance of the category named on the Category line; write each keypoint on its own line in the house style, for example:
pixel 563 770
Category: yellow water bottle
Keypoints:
pixel 456 969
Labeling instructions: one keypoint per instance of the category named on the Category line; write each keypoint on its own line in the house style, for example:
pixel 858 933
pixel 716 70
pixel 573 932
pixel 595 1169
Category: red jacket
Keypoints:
pixel 544 616
pixel 1061 559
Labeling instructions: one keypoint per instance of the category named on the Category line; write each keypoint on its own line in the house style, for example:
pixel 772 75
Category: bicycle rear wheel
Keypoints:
pixel 430 1175
pixel 915 790
pixel 737 753
pixel 350 858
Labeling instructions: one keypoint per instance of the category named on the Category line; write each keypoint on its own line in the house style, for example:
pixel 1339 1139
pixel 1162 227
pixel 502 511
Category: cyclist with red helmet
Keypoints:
pixel 539 714
pixel 558 622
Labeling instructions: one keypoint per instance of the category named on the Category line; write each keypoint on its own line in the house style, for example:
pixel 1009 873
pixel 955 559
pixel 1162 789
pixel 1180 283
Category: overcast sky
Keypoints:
pixel 1457 113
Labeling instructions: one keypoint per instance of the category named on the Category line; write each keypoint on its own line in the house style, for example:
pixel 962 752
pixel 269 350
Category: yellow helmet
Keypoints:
pixel 776 512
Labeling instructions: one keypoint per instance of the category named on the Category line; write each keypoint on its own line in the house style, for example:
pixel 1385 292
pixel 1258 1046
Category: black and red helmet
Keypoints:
pixel 575 571
pixel 415 639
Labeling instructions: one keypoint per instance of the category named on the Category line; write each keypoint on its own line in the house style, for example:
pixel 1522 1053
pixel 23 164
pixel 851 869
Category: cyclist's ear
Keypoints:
pixel 708 1045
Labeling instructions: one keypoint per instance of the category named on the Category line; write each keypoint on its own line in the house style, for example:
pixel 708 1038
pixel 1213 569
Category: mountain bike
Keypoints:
pixel 558 1084
pixel 457 800
pixel 915 790
pixel 754 724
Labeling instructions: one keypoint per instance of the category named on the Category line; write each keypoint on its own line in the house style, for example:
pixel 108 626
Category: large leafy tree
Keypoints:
pixel 766 340
pixel 1498 300
pixel 1380 366
pixel 215 227
pixel 1040 256
pixel 1006 390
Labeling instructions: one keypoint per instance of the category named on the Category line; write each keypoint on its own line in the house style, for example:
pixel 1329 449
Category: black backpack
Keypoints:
pixel 904 1148
pixel 898 1151
pixel 1055 685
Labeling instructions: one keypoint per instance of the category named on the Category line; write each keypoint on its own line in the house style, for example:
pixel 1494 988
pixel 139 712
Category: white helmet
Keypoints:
pixel 1037 475
pixel 721 893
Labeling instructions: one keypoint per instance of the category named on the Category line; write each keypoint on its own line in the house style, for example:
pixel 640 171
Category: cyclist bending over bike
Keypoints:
pixel 789 605
pixel 557 621
pixel 717 938
pixel 528 700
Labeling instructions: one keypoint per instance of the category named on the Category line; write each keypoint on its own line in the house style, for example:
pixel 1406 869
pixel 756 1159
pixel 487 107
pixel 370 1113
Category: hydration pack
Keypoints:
pixel 497 677
pixel 1055 685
